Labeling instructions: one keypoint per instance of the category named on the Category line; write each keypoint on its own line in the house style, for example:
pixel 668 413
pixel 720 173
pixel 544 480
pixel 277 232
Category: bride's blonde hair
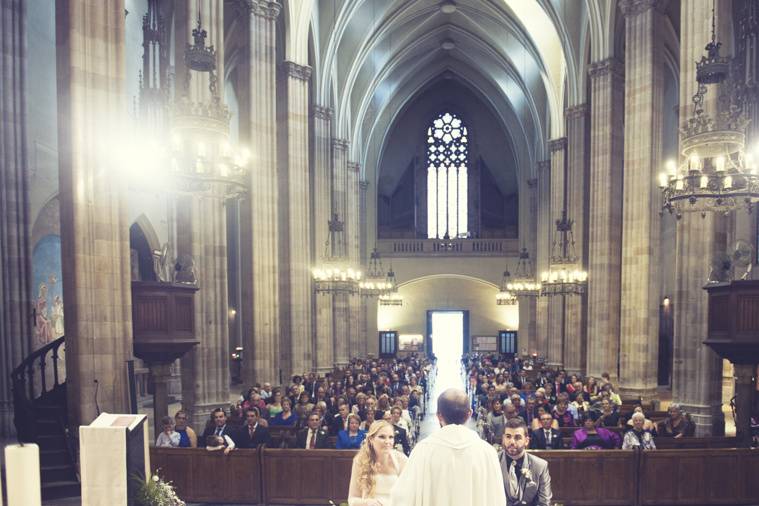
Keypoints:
pixel 366 459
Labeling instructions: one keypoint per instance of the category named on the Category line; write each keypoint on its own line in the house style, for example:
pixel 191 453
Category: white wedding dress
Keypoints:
pixel 383 487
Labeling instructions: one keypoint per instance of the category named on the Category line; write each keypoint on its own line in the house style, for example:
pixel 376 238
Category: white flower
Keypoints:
pixel 155 477
pixel 527 474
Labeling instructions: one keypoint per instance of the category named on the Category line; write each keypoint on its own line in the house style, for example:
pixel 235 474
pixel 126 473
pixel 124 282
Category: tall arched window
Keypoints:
pixel 447 141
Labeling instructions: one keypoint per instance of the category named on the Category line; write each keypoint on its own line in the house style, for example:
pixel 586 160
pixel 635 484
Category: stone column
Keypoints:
pixel 352 231
pixel 322 205
pixel 16 325
pixel 696 374
pixel 261 285
pixel 298 272
pixel 542 254
pixel 640 232
pixel 556 304
pixel 575 324
pixel 605 227
pixel 528 305
pixel 366 303
pixel 341 301
pixel 745 390
pixel 94 227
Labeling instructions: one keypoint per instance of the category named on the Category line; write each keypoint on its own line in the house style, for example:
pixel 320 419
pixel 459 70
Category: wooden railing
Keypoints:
pixel 453 247
pixel 702 477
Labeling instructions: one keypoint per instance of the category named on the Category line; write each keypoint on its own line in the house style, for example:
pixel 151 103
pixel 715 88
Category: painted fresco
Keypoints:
pixel 48 306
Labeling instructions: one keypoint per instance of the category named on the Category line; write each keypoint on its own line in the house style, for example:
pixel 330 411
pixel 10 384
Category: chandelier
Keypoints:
pixel 335 275
pixel 716 173
pixel 504 297
pixel 377 282
pixel 564 277
pixel 391 299
pixel 523 284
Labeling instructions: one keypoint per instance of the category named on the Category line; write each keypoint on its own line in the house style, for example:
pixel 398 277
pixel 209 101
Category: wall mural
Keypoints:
pixel 48 306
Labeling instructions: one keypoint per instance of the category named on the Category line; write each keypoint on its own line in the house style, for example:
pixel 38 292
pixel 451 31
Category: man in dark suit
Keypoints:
pixel 340 420
pixel 401 438
pixel 545 438
pixel 252 434
pixel 219 427
pixel 312 437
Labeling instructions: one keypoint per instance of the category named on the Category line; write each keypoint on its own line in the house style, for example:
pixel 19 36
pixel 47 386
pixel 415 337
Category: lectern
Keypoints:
pixel 113 450
pixel 734 334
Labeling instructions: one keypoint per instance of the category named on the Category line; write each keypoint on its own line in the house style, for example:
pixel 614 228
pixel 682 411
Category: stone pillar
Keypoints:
pixel 261 249
pixel 528 305
pixel 341 301
pixel 298 272
pixel 542 254
pixel 16 325
pixel 556 304
pixel 639 324
pixel 366 303
pixel 94 227
pixel 697 370
pixel 322 205
pixel 745 390
pixel 605 227
pixel 160 374
pixel 352 231
pixel 575 324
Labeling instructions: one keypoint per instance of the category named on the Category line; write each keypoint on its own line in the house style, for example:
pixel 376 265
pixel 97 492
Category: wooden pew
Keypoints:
pixel 699 477
pixel 203 476
pixel 685 443
pixel 592 478
pixel 306 476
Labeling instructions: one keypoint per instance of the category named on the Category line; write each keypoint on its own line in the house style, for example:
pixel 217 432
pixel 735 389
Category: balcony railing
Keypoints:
pixel 452 247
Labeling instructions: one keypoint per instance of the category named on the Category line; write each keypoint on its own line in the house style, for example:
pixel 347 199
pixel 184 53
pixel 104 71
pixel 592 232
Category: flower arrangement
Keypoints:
pixel 156 492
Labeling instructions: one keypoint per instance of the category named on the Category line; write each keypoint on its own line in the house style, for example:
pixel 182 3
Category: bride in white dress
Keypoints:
pixel 376 466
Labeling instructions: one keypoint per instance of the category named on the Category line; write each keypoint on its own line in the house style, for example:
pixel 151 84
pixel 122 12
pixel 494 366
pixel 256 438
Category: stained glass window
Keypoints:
pixel 447 155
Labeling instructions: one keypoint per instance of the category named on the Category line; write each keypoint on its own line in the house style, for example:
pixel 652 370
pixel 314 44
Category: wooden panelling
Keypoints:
pixel 704 477
pixel 150 313
pixel 719 313
pixel 184 319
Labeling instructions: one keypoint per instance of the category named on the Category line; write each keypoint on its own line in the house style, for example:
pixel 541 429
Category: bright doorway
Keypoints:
pixel 447 333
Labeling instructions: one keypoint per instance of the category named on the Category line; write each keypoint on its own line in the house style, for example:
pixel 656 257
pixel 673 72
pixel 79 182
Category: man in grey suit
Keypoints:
pixel 525 476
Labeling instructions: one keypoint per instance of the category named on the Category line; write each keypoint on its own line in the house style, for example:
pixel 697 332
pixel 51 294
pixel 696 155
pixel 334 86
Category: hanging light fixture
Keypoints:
pixel 716 173
pixel 523 283
pixel 504 297
pixel 565 276
pixel 335 275
pixel 391 297
pixel 377 282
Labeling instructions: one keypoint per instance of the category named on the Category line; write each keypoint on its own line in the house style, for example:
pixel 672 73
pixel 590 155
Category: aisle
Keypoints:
pixel 448 375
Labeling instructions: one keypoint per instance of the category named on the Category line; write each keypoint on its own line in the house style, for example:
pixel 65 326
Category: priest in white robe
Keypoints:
pixel 452 466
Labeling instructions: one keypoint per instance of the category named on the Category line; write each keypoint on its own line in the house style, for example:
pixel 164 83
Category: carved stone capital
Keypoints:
pixel 354 167
pixel 321 112
pixel 340 144
pixel 603 68
pixel 631 8
pixel 544 165
pixel 557 144
pixel 300 72
pixel 577 111
pixel 363 185
pixel 268 9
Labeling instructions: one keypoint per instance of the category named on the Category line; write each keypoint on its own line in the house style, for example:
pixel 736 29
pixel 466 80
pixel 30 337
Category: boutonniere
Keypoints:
pixel 527 474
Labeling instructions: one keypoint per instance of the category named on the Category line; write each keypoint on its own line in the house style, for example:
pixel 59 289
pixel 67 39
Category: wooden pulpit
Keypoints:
pixel 734 334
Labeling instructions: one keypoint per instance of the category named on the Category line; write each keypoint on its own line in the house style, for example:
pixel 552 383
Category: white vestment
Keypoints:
pixel 451 467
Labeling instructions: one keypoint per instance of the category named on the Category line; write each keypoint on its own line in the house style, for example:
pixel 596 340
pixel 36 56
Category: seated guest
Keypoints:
pixel 401 437
pixel 638 435
pixel 219 443
pixel 352 438
pixel 609 417
pixel 340 420
pixel 187 436
pixel 496 421
pixel 562 415
pixel 218 427
pixel 647 424
pixel 369 419
pixel 590 437
pixel 275 404
pixel 286 418
pixel 581 406
pixel 168 438
pixel 252 434
pixel 546 437
pixel 677 424
pixel 541 410
pixel 313 436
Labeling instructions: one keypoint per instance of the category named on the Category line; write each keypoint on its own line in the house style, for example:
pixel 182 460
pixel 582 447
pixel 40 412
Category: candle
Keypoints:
pixel 719 164
pixel 704 181
pixel 22 474
pixel 694 163
pixel 663 180
pixel 727 183
pixel 671 168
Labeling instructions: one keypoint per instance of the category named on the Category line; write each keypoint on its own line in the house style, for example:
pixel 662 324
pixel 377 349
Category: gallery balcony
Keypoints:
pixel 401 248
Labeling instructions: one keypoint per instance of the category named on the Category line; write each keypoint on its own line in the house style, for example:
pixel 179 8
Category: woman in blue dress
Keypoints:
pixel 351 439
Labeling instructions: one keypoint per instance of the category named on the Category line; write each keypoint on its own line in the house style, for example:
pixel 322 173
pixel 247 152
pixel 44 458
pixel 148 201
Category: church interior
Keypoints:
pixel 236 203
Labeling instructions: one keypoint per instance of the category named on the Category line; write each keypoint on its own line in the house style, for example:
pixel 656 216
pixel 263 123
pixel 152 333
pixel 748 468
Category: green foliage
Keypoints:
pixel 156 492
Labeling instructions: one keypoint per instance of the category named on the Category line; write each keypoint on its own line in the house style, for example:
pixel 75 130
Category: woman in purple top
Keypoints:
pixel 590 437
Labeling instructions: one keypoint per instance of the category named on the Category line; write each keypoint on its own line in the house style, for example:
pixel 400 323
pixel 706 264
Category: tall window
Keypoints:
pixel 447 141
